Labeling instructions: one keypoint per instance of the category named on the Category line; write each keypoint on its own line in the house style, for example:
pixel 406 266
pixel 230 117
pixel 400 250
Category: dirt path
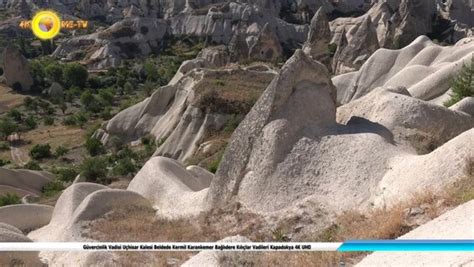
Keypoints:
pixel 19 156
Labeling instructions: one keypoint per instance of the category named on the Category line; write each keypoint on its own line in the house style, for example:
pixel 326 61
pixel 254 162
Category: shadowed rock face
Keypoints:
pixel 267 47
pixel 16 70
pixel 360 47
pixel 319 36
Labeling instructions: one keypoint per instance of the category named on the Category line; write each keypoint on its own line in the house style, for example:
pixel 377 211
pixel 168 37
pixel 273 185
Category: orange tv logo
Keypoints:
pixel 46 24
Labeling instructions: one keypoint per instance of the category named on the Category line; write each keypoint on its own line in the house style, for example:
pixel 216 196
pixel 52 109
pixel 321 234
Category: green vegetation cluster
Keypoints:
pixel 463 84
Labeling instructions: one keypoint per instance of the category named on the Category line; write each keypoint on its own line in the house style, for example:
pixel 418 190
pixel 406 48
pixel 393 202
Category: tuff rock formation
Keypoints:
pixel 10 233
pixel 360 47
pixel 127 38
pixel 23 182
pixel 423 67
pixel 77 205
pixel 319 36
pixel 296 158
pixel 16 69
pixel 266 47
pixel 194 105
pixel 454 224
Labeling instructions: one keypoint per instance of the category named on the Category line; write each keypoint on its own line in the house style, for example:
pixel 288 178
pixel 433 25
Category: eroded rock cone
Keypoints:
pixel 267 47
pixel 319 36
pixel 16 70
pixel 269 131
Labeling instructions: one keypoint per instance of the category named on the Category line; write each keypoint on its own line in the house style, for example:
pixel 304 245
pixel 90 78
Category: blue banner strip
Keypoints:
pixel 406 245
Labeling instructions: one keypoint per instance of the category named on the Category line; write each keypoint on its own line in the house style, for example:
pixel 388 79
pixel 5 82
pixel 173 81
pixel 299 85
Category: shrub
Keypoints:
pixel 48 120
pixel 94 147
pixel 4 162
pixel 462 85
pixel 65 174
pixel 60 151
pixel 4 146
pixel 52 188
pixel 30 123
pixel 70 120
pixel 94 169
pixel 9 199
pixel 7 127
pixel 124 167
pixel 40 151
pixel 214 165
pixel 15 115
pixel 29 103
pixel 75 75
pixel 33 165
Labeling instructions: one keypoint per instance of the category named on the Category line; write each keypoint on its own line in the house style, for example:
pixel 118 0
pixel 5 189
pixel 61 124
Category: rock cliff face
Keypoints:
pixel 192 110
pixel 125 39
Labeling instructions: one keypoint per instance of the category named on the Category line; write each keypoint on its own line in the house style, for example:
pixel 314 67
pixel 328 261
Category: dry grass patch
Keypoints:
pixel 9 99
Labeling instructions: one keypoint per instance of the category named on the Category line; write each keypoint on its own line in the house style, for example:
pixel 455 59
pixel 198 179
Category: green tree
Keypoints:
pixel 39 151
pixel 94 169
pixel 463 84
pixel 151 71
pixel 54 72
pixel 7 127
pixel 94 146
pixel 75 75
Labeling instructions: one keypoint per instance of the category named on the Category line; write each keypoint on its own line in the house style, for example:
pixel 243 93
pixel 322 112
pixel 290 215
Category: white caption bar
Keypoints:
pixel 166 246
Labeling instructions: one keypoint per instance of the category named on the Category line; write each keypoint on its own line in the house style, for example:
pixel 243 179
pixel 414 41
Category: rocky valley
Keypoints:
pixel 238 121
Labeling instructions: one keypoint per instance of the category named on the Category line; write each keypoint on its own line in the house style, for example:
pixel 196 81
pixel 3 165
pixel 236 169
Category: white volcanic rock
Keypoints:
pixel 26 217
pixel 174 191
pixel 23 182
pixel 397 23
pixel 220 23
pixel 266 47
pixel 423 67
pixel 16 69
pixel 129 37
pixel 178 114
pixel 416 18
pixel 316 46
pixel 211 258
pixel 9 233
pixel 410 174
pixel 79 204
pixel 296 158
pixel 360 47
pixel 454 224
pixel 217 56
pixel 466 105
pixel 405 118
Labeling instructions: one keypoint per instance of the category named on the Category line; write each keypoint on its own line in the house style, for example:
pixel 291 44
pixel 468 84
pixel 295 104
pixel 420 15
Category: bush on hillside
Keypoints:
pixel 75 74
pixel 40 151
pixel 94 147
pixel 9 199
pixel 33 165
pixel 94 170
